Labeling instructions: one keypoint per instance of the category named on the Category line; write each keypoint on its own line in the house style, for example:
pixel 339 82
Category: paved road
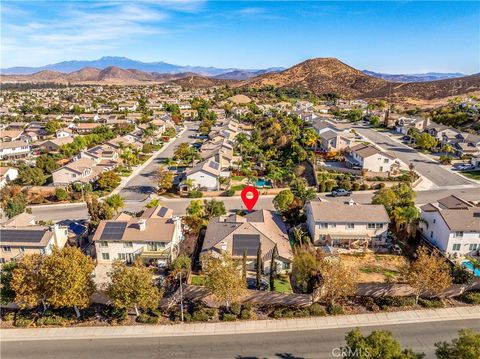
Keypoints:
pixel 295 344
pixel 143 184
pixel 423 164
pixel 79 211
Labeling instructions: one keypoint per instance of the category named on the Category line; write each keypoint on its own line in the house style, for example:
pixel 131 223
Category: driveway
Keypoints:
pixel 428 168
pixel 143 184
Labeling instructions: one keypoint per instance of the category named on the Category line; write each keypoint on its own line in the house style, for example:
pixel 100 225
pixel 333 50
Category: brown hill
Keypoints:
pixel 194 80
pixel 329 75
pixel 321 75
pixel 85 74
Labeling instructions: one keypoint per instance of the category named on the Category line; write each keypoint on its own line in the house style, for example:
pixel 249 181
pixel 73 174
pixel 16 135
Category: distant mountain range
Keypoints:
pixel 429 76
pixel 218 73
pixel 128 64
pixel 320 76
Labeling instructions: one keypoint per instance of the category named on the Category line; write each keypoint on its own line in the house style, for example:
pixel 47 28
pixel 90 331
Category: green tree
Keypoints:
pixel 337 281
pixel 68 278
pixel 98 211
pixel 223 279
pixel 304 266
pixel 108 180
pixel 61 194
pixel 466 346
pixel 7 294
pixel 428 274
pixel 115 201
pixel 258 266
pixel 273 268
pixel 283 201
pixel 31 176
pixel 133 286
pixel 213 208
pixel 46 163
pixel 52 126
pixel 195 208
pixel 406 219
pixel 182 263
pixel 379 344
pixel 425 141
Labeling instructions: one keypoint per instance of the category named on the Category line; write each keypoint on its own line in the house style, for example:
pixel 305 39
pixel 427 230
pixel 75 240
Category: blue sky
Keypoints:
pixel 394 37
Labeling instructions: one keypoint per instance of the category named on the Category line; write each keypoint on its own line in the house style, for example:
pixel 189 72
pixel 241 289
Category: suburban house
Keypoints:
pixel 370 158
pixel 14 149
pixel 154 237
pixel 21 235
pixel 406 123
pixel 236 234
pixel 11 135
pixel 82 170
pixel 333 141
pixel 54 145
pixel 64 132
pixel 452 225
pixel 443 134
pixel 349 225
pixel 7 174
pixel 205 174
pixel 467 144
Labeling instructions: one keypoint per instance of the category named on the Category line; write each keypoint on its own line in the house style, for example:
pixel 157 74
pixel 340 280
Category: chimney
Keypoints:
pixel 142 224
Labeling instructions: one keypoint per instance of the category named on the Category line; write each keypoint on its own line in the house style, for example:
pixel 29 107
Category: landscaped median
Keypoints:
pixel 244 327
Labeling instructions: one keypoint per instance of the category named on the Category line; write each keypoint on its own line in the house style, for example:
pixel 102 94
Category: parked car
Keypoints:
pixel 465 167
pixel 341 192
pixel 396 249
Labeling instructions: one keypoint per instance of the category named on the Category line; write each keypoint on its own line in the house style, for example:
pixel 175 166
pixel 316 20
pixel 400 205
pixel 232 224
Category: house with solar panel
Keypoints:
pixel 22 235
pixel 154 237
pixel 205 175
pixel 236 234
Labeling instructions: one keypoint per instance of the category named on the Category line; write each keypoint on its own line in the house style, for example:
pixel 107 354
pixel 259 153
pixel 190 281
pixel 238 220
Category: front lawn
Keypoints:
pixel 475 175
pixel 282 285
pixel 238 187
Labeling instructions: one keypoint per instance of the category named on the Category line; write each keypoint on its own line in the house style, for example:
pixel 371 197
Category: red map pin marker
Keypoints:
pixel 249 197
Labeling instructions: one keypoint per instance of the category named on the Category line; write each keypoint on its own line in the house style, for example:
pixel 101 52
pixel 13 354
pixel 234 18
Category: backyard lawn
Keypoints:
pixel 475 175
pixel 198 280
pixel 282 285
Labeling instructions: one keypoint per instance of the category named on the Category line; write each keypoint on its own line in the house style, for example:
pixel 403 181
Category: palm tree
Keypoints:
pixel 406 218
pixel 189 183
pixel 115 201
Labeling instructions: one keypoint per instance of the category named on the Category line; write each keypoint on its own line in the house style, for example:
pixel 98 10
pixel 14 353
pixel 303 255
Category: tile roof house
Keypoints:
pixel 238 234
pixel 346 224
pixel 372 159
pixel 205 174
pixel 154 237
pixel 14 149
pixel 452 225
pixel 22 235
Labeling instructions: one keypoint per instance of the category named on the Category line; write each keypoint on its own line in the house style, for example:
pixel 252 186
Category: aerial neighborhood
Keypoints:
pixel 133 194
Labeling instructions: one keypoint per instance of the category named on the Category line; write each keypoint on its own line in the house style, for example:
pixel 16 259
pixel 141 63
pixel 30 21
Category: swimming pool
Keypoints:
pixel 263 183
pixel 469 265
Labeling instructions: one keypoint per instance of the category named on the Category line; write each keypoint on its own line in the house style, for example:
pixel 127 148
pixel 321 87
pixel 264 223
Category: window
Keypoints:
pixel 322 237
pixel 323 225
pixel 458 234
pixel 456 247
pixel 105 256
pixel 122 256
pixel 431 234
pixel 332 225
pixel 7 248
pixel 2 260
pixel 128 245
pixel 472 247
pixel 434 221
pixel 385 160
pixel 103 244
pixel 371 225
pixel 42 250
pixel 21 249
pixel 155 246
pixel 350 225
pixel 378 225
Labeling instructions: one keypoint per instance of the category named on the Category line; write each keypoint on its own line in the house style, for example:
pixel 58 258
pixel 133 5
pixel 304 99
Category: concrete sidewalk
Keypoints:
pixel 243 327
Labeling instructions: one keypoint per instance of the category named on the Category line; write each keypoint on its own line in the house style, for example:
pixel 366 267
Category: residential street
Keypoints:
pixel 79 211
pixel 425 166
pixel 294 344
pixel 143 184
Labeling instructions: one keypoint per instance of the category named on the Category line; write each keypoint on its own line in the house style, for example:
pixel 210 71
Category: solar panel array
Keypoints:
pixel 13 235
pixel 214 165
pixel 245 242
pixel 113 230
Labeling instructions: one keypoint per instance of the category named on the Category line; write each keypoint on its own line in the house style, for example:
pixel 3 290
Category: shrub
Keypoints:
pixel 471 297
pixel 61 194
pixel 195 194
pixel 23 320
pixel 201 315
pixel 245 314
pixel 9 316
pixel 228 317
pixel 317 310
pixel 115 314
pixel 385 302
pixel 235 308
pixel 334 309
pixel 431 303
pixel 230 192
pixel 364 187
pixel 355 186
pixel 461 275
pixel 51 320
pixel 148 319
pixel 371 305
pixel 278 313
